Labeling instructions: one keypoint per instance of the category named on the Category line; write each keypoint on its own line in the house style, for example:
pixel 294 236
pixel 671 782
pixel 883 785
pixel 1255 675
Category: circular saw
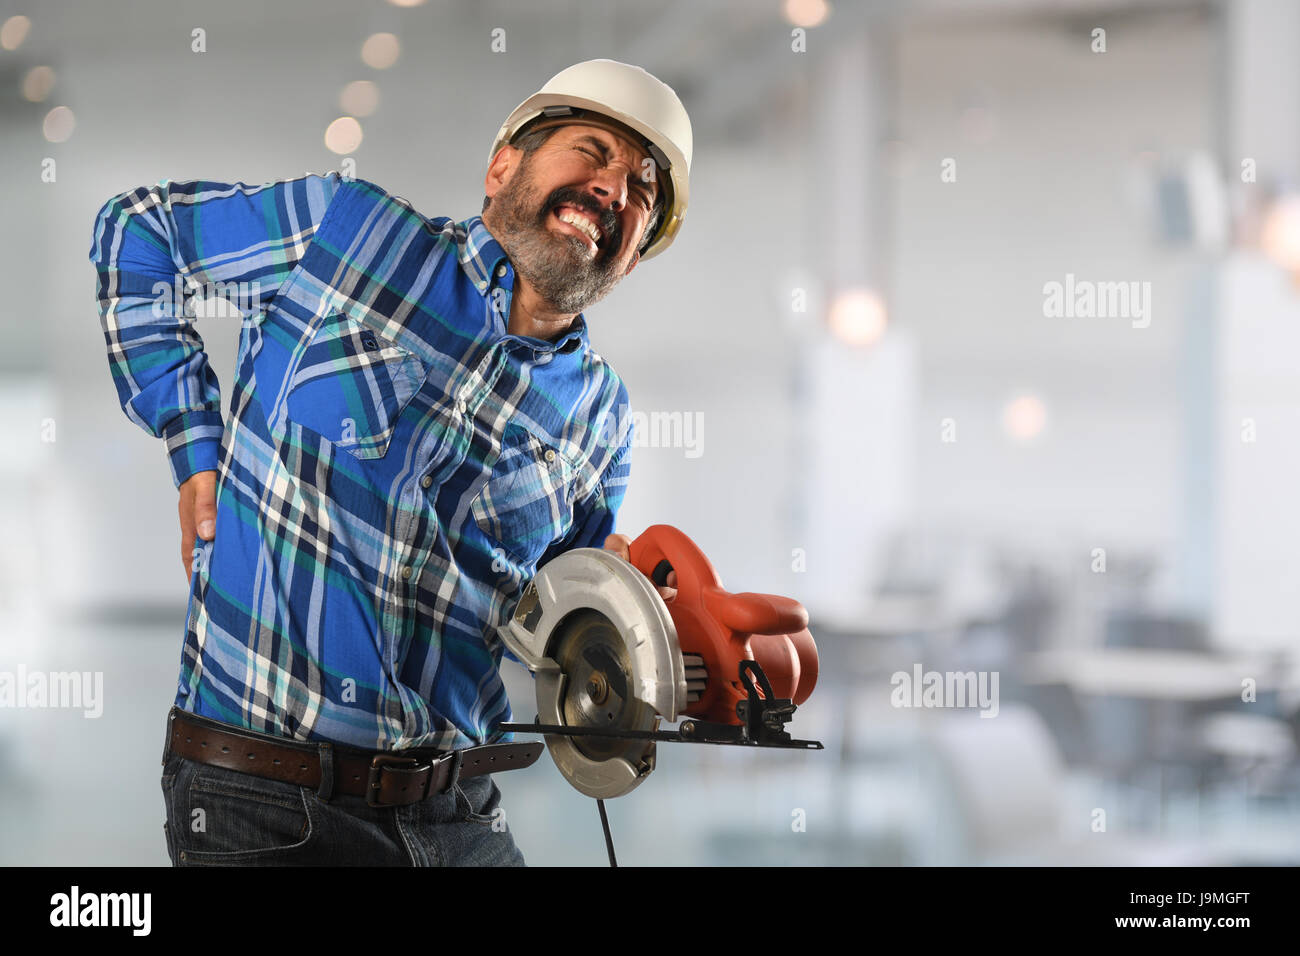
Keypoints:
pixel 612 659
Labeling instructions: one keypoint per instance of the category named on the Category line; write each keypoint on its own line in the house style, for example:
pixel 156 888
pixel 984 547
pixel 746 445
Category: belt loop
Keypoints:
pixel 167 743
pixel 453 775
pixel 326 790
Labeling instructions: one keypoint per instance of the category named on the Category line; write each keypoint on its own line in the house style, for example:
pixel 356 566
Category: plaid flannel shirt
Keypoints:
pixel 394 466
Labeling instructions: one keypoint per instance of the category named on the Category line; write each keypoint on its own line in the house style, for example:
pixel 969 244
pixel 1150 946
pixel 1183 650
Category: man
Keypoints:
pixel 418 422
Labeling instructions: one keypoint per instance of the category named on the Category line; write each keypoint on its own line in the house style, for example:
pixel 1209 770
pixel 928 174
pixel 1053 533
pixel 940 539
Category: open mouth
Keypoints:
pixel 580 223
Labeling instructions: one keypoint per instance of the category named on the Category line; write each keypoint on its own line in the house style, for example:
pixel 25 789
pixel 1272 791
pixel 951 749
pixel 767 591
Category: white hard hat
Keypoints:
pixel 635 101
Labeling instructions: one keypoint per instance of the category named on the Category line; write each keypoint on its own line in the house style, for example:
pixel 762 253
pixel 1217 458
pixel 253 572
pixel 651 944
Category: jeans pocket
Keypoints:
pixel 171 766
pixel 234 819
pixel 480 803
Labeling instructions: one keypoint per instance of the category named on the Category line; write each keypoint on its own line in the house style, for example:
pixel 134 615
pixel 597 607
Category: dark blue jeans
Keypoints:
pixel 219 817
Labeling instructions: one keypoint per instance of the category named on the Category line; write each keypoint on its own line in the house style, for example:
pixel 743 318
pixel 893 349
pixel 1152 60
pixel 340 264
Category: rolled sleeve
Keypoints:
pixel 153 249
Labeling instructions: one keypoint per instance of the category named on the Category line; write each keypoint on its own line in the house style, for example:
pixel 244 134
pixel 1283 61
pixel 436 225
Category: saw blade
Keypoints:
pixel 598 689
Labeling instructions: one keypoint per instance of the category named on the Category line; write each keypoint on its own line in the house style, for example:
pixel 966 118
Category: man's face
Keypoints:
pixel 581 171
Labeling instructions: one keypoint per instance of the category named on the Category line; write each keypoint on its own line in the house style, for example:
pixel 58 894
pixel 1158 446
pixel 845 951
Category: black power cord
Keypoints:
pixel 609 840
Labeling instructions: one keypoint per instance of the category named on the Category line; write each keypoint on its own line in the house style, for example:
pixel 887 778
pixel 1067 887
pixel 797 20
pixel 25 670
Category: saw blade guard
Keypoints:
pixel 603 650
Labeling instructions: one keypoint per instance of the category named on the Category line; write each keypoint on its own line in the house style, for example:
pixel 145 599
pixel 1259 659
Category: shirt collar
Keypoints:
pixel 486 264
pixel 480 254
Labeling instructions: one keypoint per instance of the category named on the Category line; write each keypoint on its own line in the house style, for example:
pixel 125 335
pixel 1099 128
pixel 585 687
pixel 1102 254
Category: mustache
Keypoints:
pixel 604 218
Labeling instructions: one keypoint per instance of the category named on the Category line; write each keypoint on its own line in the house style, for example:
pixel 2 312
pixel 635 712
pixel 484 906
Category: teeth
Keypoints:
pixel 582 223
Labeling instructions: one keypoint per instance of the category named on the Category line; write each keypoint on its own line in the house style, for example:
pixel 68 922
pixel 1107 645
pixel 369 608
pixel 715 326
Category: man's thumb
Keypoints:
pixel 205 514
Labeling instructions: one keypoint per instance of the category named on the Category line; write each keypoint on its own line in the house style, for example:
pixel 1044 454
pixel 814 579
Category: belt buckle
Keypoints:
pixel 380 761
pixel 377 765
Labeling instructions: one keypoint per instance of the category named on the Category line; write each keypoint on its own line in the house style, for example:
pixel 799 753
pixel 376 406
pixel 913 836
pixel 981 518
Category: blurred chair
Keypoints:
pixel 1006 782
pixel 1060 709
pixel 1258 747
pixel 1132 734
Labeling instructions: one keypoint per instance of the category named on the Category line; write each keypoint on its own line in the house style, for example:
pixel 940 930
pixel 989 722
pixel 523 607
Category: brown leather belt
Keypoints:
pixel 385 778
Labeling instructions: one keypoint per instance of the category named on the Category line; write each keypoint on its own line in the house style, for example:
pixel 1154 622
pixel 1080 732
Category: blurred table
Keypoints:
pixel 1150 674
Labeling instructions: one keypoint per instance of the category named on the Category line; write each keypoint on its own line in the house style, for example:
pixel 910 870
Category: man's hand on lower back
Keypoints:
pixel 198 513
pixel 621 545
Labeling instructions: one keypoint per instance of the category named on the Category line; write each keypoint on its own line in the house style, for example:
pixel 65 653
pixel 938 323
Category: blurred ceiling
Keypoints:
pixel 730 58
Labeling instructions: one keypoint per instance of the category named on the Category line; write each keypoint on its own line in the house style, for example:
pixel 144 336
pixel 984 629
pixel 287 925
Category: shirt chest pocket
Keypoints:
pixel 527 501
pixel 350 385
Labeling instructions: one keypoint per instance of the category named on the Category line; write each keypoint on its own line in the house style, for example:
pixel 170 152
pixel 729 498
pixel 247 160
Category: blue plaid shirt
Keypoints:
pixel 394 466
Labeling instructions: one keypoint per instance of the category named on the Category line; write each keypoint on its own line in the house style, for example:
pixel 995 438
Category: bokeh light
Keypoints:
pixel 806 13
pixel 1280 236
pixel 1024 418
pixel 59 124
pixel 37 84
pixel 857 317
pixel 343 135
pixel 380 51
pixel 14 31
pixel 359 98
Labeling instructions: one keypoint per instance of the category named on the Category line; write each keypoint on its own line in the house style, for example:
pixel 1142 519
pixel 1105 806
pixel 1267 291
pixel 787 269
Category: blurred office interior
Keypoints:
pixel 857 392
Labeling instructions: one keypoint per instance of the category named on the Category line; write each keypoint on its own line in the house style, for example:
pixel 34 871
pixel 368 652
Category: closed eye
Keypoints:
pixel 642 193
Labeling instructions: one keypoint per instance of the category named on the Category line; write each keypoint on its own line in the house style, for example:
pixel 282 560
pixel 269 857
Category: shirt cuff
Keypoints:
pixel 193 443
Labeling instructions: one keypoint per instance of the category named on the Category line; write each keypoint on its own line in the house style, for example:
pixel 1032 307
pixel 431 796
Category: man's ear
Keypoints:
pixel 499 171
pixel 636 257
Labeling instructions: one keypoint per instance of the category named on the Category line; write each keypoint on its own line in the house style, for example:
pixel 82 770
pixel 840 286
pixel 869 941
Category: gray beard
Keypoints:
pixel 557 266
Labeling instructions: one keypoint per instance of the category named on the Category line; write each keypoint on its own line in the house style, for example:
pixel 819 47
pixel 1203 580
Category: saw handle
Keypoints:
pixel 756 613
pixel 660 574
pixel 727 628
pixel 662 548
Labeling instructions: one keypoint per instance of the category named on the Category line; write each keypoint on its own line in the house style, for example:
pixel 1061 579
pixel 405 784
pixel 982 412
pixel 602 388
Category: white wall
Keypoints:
pixel 1041 192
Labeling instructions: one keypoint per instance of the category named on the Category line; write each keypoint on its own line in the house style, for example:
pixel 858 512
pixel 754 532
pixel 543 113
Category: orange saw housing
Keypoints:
pixel 724 628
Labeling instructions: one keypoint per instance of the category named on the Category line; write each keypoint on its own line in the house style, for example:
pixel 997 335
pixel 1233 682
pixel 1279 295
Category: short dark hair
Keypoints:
pixel 530 142
pixel 652 224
